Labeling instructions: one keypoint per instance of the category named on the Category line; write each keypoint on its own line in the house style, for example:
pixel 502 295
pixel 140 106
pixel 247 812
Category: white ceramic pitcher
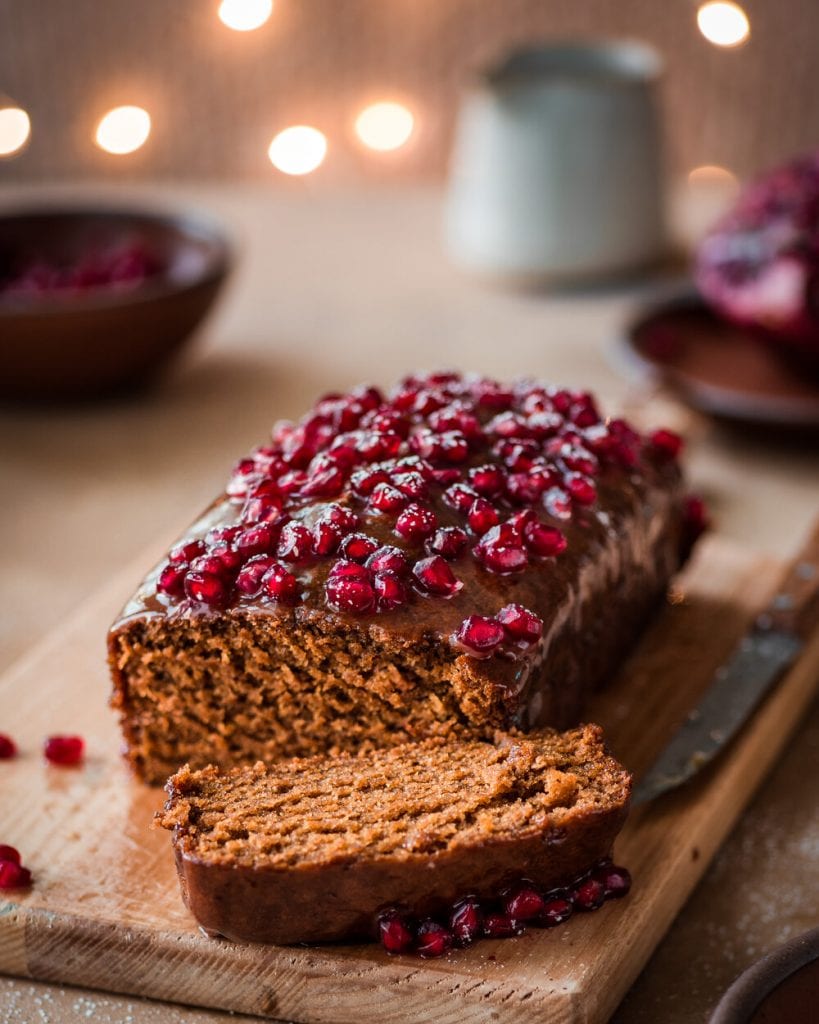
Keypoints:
pixel 556 171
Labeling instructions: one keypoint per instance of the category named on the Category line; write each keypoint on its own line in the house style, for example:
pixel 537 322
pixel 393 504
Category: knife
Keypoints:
pixel 771 645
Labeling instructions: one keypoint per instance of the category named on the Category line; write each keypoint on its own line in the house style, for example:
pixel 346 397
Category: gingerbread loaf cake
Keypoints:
pixel 311 850
pixel 446 560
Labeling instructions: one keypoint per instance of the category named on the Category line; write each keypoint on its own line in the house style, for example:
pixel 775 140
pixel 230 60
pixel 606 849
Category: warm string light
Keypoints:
pixel 123 130
pixel 298 150
pixel 15 128
pixel 384 126
pixel 245 15
pixel 723 23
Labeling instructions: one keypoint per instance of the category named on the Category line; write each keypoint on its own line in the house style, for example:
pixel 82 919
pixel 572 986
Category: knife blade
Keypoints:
pixel 768 649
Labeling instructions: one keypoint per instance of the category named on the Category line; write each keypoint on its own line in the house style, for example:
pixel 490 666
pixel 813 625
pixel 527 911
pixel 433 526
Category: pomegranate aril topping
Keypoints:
pixel 64 750
pixel 460 497
pixel 500 926
pixel 581 490
pixel 432 939
pixel 479 635
pixel 666 443
pixel 345 569
pixel 616 881
pixel 326 483
pixel 358 547
pixel 395 933
pixel 171 579
pixel 542 539
pixel 413 485
pixel 249 580
pixel 350 594
pixel 9 854
pixel 555 911
pixel 501 550
pixel 364 481
pixel 520 624
pixel 280 584
pixel 558 503
pixel 209 564
pixel 386 498
pixel 436 577
pixel 326 538
pixel 261 510
pixel 14 876
pixel 344 518
pixel 482 516
pixel 256 540
pixel 295 543
pixel 187 551
pixel 8 748
pixel 388 559
pixel 206 588
pixel 588 895
pixel 524 904
pixel 448 541
pixel 390 592
pixel 415 523
pixel 466 921
pixel 489 481
pixel 227 556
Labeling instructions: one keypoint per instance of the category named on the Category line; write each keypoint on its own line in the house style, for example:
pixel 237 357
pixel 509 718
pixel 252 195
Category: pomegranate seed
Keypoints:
pixel 616 881
pixel 364 481
pixel 555 911
pixel 326 483
pixel 186 551
pixel 280 584
pixel 343 518
pixel 388 559
pixel 227 556
pixel 520 624
pixel 524 904
pixel 14 876
pixel 582 490
pixel 445 477
pixel 460 497
pixel 466 921
pixel 171 579
pixel 666 443
pixel 8 748
pixel 261 510
pixel 295 543
pixel 489 481
pixel 432 940
pixel 358 547
pixel 386 498
pixel 500 926
pixel 558 503
pixel 345 569
pixel 249 580
pixel 64 750
pixel 695 517
pixel 326 538
pixel 205 588
pixel 9 853
pixel 415 523
pixel 542 539
pixel 491 395
pixel 390 592
pixel 479 635
pixel 222 533
pixel 508 425
pixel 211 565
pixel 413 485
pixel 588 895
pixel 395 933
pixel 453 446
pixel 482 516
pixel 436 577
pixel 348 594
pixel 256 540
pixel 449 542
pixel 501 550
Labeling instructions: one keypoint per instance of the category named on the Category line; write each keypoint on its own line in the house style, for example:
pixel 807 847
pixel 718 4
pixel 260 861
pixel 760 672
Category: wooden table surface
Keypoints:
pixel 330 289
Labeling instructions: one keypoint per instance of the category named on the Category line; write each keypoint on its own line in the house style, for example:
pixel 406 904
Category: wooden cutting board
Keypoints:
pixel 105 909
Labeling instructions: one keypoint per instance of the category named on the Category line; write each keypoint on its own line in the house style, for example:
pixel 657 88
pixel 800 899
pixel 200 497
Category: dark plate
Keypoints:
pixel 781 988
pixel 105 340
pixel 718 368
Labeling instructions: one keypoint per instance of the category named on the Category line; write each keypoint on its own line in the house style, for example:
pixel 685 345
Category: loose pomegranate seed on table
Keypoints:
pixel 14 876
pixel 9 853
pixel 8 748
pixel 64 750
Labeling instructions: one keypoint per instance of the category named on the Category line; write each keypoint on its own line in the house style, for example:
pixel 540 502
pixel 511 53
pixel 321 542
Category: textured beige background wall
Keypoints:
pixel 217 97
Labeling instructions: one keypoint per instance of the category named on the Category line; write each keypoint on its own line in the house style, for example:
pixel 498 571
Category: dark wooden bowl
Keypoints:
pixel 104 340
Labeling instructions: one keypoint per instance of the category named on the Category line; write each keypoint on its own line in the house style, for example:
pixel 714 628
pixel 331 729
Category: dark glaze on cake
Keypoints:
pixel 248 677
pixel 417 825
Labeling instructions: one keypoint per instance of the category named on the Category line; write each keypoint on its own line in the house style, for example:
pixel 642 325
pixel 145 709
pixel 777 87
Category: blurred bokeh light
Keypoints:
pixel 15 128
pixel 384 126
pixel 123 130
pixel 723 23
pixel 245 15
pixel 297 150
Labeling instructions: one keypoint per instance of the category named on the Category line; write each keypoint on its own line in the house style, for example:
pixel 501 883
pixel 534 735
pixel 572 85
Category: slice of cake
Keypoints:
pixel 313 849
pixel 451 558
